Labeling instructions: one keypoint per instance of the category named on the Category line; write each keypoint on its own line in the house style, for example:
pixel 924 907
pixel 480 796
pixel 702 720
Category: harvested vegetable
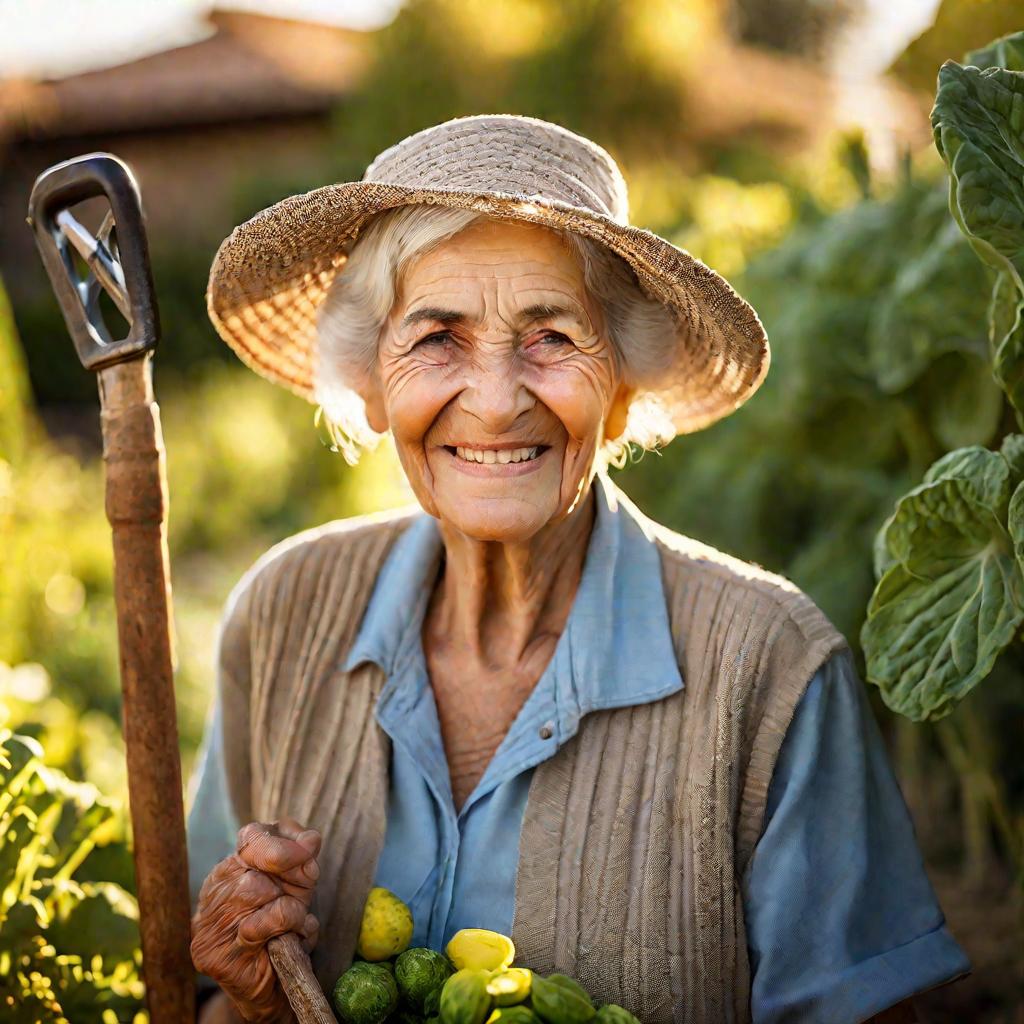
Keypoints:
pixel 386 929
pixel 612 1014
pixel 513 1015
pixel 557 999
pixel 420 973
pixel 480 949
pixel 365 994
pixel 510 986
pixel 464 998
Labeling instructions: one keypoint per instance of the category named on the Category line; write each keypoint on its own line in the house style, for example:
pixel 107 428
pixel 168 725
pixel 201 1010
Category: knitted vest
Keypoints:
pixel 636 832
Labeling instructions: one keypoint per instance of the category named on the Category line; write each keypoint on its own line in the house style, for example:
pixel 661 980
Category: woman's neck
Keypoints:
pixel 496 601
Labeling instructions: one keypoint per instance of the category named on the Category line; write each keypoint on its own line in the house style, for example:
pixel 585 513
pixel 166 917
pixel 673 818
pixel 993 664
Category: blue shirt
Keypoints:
pixel 841 919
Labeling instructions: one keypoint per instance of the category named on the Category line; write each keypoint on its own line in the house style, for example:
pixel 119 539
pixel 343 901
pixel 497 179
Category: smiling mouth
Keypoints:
pixel 496 456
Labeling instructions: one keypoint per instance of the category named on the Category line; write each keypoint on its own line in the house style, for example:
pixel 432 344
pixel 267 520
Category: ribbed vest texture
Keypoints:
pixel 636 833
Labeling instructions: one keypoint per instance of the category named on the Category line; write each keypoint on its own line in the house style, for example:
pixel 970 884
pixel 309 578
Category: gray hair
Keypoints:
pixel 642 330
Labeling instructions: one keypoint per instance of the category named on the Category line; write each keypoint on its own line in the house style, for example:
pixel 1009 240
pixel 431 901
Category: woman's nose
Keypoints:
pixel 495 396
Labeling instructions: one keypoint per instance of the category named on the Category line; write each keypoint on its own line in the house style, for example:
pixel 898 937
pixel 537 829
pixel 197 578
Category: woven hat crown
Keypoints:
pixel 507 153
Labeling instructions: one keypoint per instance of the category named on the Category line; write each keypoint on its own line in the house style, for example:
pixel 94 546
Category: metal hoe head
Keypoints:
pixel 117 257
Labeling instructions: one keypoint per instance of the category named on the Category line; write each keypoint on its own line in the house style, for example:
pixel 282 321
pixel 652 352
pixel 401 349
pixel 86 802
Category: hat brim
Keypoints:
pixel 272 273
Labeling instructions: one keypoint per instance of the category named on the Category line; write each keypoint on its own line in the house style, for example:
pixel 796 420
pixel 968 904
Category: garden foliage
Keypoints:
pixel 68 937
pixel 951 594
pixel 882 365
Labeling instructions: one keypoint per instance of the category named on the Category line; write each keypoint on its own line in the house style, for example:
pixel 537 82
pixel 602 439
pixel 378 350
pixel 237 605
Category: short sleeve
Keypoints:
pixel 842 922
pixel 220 790
pixel 212 827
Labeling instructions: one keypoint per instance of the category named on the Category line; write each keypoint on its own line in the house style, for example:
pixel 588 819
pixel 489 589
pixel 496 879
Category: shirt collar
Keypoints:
pixel 618 635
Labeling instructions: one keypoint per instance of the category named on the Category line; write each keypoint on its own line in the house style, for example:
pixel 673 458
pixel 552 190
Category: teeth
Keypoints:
pixel 490 456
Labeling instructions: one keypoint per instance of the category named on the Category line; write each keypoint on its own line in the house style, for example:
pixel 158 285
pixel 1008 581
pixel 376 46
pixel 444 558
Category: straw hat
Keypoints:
pixel 271 274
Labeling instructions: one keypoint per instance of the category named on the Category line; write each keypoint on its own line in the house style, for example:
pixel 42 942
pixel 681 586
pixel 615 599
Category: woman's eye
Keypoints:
pixel 437 338
pixel 550 343
pixel 552 338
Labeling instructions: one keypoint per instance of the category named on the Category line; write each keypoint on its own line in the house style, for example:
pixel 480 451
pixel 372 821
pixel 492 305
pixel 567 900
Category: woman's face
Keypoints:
pixel 497 380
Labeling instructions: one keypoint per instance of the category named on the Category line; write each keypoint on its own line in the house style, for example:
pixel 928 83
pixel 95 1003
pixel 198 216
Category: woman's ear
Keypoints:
pixel 615 421
pixel 367 387
pixel 370 391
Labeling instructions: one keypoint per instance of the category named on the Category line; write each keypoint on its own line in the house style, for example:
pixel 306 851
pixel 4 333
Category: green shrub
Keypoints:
pixel 69 943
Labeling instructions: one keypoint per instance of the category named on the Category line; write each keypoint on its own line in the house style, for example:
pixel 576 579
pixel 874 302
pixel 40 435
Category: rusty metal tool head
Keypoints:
pixel 117 258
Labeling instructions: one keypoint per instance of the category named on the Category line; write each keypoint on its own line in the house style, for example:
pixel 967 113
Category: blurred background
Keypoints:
pixel 785 142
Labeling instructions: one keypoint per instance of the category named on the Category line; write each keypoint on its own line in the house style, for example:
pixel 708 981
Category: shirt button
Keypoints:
pixel 547 730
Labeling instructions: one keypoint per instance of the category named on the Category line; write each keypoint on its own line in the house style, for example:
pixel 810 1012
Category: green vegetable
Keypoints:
pixel 464 998
pixel 510 986
pixel 612 1014
pixel 365 994
pixel 557 999
pixel 419 973
pixel 386 964
pixel 432 1004
pixel 513 1015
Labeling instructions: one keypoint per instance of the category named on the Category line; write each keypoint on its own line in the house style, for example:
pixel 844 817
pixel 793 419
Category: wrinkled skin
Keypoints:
pixel 467 359
pixel 262 890
pixel 496 379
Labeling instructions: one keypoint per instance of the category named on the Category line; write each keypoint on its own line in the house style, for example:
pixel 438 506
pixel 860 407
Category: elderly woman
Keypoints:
pixel 523 706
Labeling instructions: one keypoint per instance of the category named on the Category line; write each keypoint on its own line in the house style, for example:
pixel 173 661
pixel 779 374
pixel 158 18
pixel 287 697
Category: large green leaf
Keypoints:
pixel 1012 450
pixel 1006 52
pixel 952 596
pixel 978 125
pixel 1006 339
pixel 977 122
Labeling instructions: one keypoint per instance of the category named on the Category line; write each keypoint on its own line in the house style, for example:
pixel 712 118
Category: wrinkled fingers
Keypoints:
pixel 228 896
pixel 285 914
pixel 293 860
pixel 311 933
pixel 232 889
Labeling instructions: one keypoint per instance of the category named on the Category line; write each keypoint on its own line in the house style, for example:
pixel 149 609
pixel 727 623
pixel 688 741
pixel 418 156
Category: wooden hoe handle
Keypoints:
pixel 136 498
pixel 296 976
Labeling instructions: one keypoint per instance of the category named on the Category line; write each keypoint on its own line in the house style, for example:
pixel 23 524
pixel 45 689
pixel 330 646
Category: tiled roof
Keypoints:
pixel 252 66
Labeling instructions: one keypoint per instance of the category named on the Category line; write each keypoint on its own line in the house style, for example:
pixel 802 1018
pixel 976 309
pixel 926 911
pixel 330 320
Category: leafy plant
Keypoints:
pixel 951 594
pixel 881 366
pixel 950 597
pixel 977 125
pixel 69 943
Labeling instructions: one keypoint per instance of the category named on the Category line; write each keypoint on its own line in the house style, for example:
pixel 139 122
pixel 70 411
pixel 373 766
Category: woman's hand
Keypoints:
pixel 262 890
